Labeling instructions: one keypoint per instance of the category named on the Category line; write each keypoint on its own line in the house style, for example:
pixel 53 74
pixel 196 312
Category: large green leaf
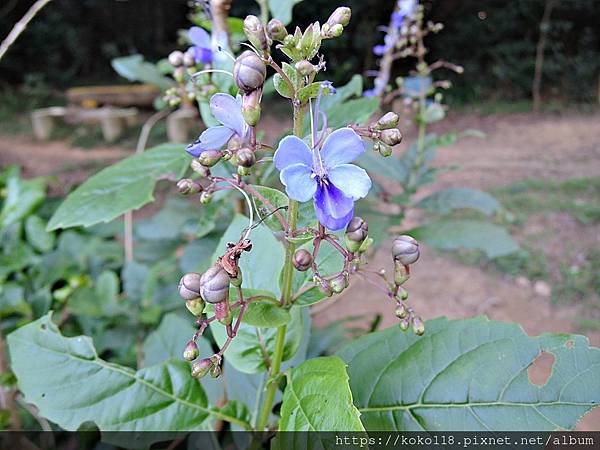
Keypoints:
pixel 448 200
pixel 470 375
pixel 134 68
pixel 276 199
pixel 119 188
pixel 467 234
pixel 168 340
pixel 318 398
pixel 70 384
pixel 353 111
pixel 22 197
pixel 282 9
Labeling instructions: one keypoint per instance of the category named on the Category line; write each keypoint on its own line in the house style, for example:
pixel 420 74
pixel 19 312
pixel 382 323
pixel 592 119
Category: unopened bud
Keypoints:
pixel 383 149
pixel 190 352
pixel 402 294
pixel 401 311
pixel 305 67
pixel 339 283
pixel 187 186
pixel 179 74
pixel 392 137
pixel 189 286
pixel 365 245
pixel 276 30
pixel 405 250
pixel 176 58
pixel 245 157
pixel 251 107
pixel 249 71
pixel 404 324
pixel 325 288
pixel 223 313
pixel 335 31
pixel 195 306
pixel 255 32
pixel 215 371
pixel 340 16
pixel 206 197
pixel 302 260
pixel 401 273
pixel 188 59
pixel 199 168
pixel 356 232
pixel 244 171
pixel 201 368
pixel 387 121
pixel 418 326
pixel 209 158
pixel 214 285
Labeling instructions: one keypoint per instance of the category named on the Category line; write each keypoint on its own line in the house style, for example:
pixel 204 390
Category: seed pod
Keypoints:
pixel 305 67
pixel 405 250
pixel 245 157
pixel 392 137
pixel 190 352
pixel 255 32
pixel 187 186
pixel 340 16
pixel 251 107
pixel 214 285
pixel 404 324
pixel 339 283
pixel 201 368
pixel 209 158
pixel 176 58
pixel 206 197
pixel 356 232
pixel 215 371
pixel 325 288
pixel 401 311
pixel 387 121
pixel 276 30
pixel 249 71
pixel 199 168
pixel 302 260
pixel 196 306
pixel 418 326
pixel 223 313
pixel 189 286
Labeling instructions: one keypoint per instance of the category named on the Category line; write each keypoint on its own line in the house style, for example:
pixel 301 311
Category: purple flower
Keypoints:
pixel 201 49
pixel 228 111
pixel 325 175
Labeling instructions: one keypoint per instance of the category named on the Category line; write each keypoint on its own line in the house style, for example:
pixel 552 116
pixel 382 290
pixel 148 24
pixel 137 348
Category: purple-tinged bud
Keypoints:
pixel 340 16
pixel 215 371
pixel 187 186
pixel 325 288
pixel 392 137
pixel 332 31
pixel 387 121
pixel 251 107
pixel 405 250
pixel 209 158
pixel 305 67
pixel 206 197
pixel 188 59
pixel 189 286
pixel 255 32
pixel 418 326
pixel 249 71
pixel 276 30
pixel 339 282
pixel 199 168
pixel 223 313
pixel 356 232
pixel 383 149
pixel 200 368
pixel 176 58
pixel 302 260
pixel 190 352
pixel 195 306
pixel 401 311
pixel 214 285
pixel 404 324
pixel 246 157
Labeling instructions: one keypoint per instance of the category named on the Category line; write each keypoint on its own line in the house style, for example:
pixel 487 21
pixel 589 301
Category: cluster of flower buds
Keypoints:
pixel 334 27
pixel 302 46
pixel 405 251
pixel 385 133
pixel 357 235
pixel 249 73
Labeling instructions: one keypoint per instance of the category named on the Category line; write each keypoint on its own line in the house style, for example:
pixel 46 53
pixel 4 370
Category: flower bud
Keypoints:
pixel 223 313
pixel 339 283
pixel 249 71
pixel 404 324
pixel 393 136
pixel 401 273
pixel 251 107
pixel 176 58
pixel 245 157
pixel 195 306
pixel 276 30
pixel 335 31
pixel 209 158
pixel 244 171
pixel 215 371
pixel 206 197
pixel 418 326
pixel 255 32
pixel 365 245
pixel 356 232
pixel 387 121
pixel 199 168
pixel 340 16
pixel 188 59
pixel 325 288
pixel 383 149
pixel 190 352
pixel 214 285
pixel 405 250
pixel 187 186
pixel 402 294
pixel 302 260
pixel 189 286
pixel 305 67
pixel 201 368
pixel 179 74
pixel 401 311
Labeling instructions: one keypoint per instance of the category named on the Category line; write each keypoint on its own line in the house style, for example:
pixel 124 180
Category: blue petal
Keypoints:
pixel 292 150
pixel 341 147
pixel 228 111
pixel 352 180
pixel 201 54
pixel 299 183
pixel 334 210
pixel 199 37
pixel 211 139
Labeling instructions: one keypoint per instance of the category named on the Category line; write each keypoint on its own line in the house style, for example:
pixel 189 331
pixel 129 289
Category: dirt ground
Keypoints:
pixel 517 146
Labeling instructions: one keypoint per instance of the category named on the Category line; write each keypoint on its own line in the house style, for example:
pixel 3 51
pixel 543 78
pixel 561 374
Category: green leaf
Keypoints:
pixel 22 197
pixel 282 9
pixel 467 234
pixel 119 188
pixel 388 167
pixel 37 236
pixel 281 86
pixel 318 398
pixel 134 68
pixel 264 312
pixel 350 89
pixel 470 375
pixel 168 340
pixel 311 91
pixel 355 111
pixel 276 199
pixel 448 200
pixel 51 368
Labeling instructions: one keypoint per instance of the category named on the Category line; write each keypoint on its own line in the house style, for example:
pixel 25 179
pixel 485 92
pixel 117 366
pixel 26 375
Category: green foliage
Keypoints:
pixel 134 68
pixel 401 382
pixel 282 9
pixel 448 200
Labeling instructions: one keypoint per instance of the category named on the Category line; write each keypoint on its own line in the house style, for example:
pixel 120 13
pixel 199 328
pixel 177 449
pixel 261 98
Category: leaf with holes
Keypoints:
pixel 470 375
pixel 70 384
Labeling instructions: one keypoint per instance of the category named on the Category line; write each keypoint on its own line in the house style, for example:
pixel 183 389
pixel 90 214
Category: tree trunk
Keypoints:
pixel 539 54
